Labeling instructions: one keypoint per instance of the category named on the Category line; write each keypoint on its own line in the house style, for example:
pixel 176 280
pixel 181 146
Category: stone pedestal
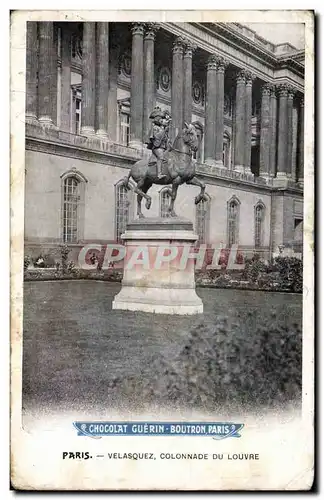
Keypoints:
pixel 158 275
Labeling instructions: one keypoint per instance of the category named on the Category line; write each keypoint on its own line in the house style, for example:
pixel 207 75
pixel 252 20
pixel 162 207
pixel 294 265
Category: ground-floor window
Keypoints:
pixel 70 210
pixel 202 220
pixel 165 198
pixel 259 212
pixel 122 210
pixel 233 207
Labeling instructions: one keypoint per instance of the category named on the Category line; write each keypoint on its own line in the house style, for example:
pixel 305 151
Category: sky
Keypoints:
pixel 281 32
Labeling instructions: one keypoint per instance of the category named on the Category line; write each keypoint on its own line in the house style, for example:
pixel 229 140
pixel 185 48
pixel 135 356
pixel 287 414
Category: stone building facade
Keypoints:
pixel 90 89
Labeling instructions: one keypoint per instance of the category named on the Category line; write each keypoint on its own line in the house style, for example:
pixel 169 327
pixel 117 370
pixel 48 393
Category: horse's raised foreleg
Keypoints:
pixel 139 206
pixel 141 189
pixel 196 182
pixel 175 184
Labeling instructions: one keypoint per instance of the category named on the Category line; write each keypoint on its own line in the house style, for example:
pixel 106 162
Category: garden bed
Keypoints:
pixel 283 274
pixel 46 274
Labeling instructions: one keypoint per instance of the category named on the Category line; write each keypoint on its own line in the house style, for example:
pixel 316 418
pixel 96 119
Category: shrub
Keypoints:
pixel 64 250
pixel 100 260
pixel 27 261
pixel 250 360
pixel 44 261
pixel 253 269
pixel 290 273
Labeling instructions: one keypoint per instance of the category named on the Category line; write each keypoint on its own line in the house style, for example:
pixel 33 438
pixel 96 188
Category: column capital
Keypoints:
pixel 178 45
pixel 188 48
pixel 266 89
pixel 240 76
pixel 291 92
pixel 249 77
pixel 283 90
pixel 221 64
pixel 273 90
pixel 212 62
pixel 138 29
pixel 150 30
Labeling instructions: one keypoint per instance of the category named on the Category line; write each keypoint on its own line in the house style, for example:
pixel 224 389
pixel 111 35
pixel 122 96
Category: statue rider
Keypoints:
pixel 159 137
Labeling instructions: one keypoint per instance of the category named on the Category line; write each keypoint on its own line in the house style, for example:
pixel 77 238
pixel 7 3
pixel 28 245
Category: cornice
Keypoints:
pixel 290 63
pixel 243 42
pixel 70 151
pixel 211 48
pixel 211 174
pixel 230 179
pixel 240 43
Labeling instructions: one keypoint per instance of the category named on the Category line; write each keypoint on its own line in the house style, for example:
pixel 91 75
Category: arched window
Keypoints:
pixel 202 219
pixel 259 211
pixel 233 207
pixel 165 198
pixel 73 193
pixel 70 217
pixel 122 210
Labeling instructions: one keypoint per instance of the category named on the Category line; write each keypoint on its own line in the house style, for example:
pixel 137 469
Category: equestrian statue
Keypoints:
pixel 169 163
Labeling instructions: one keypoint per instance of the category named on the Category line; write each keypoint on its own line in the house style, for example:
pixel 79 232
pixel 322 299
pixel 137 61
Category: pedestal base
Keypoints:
pixel 158 300
pixel 158 275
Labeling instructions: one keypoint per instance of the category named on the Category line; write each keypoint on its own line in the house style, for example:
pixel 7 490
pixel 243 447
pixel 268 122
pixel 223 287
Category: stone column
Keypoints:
pixel 248 118
pixel 273 131
pixel 46 47
pixel 210 111
pixel 177 87
pixel 88 78
pixel 149 80
pixel 301 143
pixel 54 76
pixel 239 122
pixel 66 81
pixel 112 94
pixel 187 83
pixel 102 49
pixel 136 114
pixel 283 132
pixel 290 104
pixel 265 135
pixel 31 70
pixel 220 72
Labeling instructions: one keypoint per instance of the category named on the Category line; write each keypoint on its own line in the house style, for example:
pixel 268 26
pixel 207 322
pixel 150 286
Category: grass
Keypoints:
pixel 79 353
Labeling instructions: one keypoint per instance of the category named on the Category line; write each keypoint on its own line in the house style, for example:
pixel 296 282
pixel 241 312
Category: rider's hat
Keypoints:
pixel 156 113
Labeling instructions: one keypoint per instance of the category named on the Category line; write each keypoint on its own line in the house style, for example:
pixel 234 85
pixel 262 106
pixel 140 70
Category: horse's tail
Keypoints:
pixel 126 180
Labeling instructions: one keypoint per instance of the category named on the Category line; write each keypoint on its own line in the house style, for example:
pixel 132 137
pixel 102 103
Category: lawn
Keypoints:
pixel 79 353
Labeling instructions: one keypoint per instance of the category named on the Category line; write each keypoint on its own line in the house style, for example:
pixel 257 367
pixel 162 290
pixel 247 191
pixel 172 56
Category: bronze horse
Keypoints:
pixel 178 169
